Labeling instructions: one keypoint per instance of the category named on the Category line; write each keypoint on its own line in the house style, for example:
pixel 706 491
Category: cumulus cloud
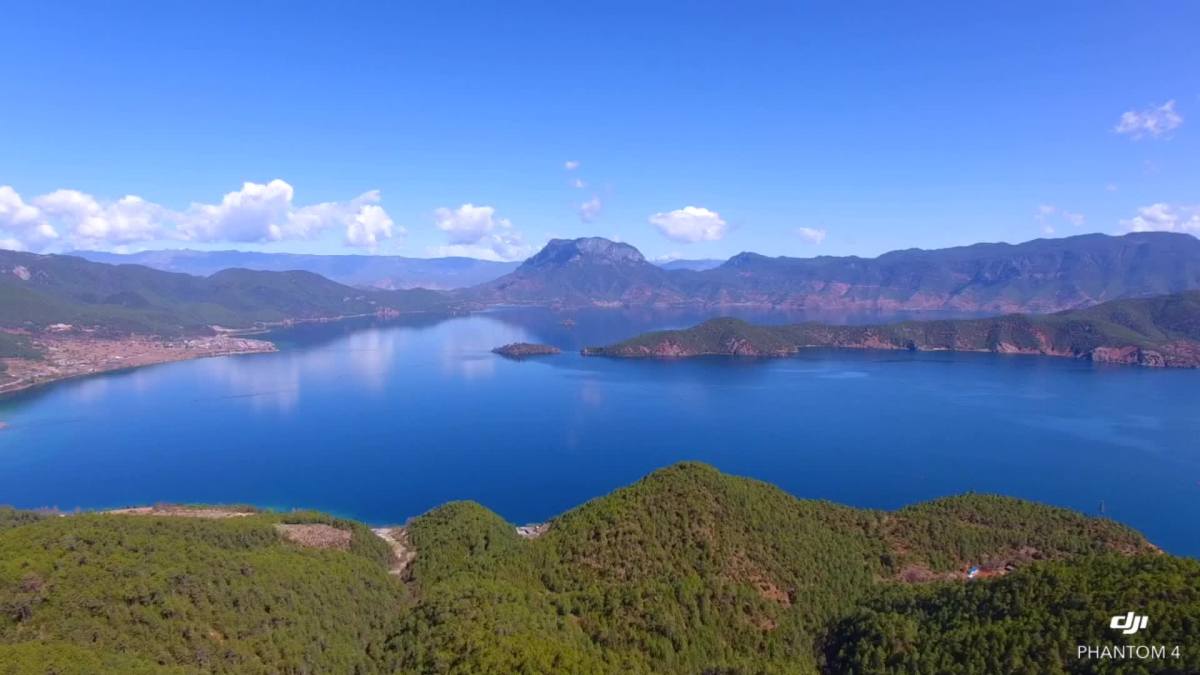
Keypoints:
pixel 267 212
pixel 571 164
pixel 811 235
pixel 1162 217
pixel 258 212
pixel 469 223
pixel 370 226
pixel 1049 216
pixel 578 183
pixel 1153 122
pixel 690 224
pixel 14 212
pixel 589 210
pixel 22 224
pixel 91 223
pixel 477 232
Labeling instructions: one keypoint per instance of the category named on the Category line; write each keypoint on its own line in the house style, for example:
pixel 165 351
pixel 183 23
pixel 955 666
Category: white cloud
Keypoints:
pixel 370 225
pixel 589 210
pixel 90 223
pixel 10 244
pixel 690 224
pixel 476 232
pixel 469 223
pixel 811 235
pixel 267 212
pixel 1049 216
pixel 578 183
pixel 496 248
pixel 23 223
pixel 1162 217
pixel 571 164
pixel 14 212
pixel 1154 121
pixel 255 213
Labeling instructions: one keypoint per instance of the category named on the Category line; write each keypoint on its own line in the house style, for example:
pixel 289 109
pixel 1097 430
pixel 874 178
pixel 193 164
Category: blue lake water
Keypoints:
pixel 382 422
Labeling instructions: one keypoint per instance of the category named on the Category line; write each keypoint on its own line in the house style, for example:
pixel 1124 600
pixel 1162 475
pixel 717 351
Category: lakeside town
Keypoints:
pixel 67 351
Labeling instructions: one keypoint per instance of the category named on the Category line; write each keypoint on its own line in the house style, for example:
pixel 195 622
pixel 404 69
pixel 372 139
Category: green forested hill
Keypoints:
pixel 1030 622
pixel 687 571
pixel 1158 331
pixel 226 596
pixel 38 290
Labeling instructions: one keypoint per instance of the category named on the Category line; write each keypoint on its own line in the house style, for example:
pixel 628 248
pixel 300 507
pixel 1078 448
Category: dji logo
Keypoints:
pixel 1129 623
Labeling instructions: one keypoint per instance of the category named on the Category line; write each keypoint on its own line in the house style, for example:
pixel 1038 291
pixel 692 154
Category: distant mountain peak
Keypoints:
pixel 746 258
pixel 1043 275
pixel 595 250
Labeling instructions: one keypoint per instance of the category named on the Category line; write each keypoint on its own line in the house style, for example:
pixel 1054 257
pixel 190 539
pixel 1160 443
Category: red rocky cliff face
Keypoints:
pixel 1173 355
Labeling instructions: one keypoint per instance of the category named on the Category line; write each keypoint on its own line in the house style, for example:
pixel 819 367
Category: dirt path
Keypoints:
pixel 532 530
pixel 402 552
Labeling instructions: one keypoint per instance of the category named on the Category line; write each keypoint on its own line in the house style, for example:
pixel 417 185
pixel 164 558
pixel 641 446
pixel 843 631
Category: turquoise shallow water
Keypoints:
pixel 381 422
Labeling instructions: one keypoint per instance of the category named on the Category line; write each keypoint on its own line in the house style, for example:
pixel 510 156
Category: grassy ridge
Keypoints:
pixel 686 571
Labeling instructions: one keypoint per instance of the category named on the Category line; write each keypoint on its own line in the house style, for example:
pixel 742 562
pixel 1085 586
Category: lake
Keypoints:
pixel 381 422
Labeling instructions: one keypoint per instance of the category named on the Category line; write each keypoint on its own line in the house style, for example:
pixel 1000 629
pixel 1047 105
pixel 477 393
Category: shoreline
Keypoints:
pixel 70 357
pixel 1107 356
pixel 223 342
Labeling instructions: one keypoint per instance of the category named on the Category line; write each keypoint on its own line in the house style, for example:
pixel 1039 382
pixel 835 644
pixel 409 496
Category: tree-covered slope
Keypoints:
pixel 690 570
pixel 227 596
pixel 1031 622
pixel 1155 331
pixel 39 290
pixel 687 571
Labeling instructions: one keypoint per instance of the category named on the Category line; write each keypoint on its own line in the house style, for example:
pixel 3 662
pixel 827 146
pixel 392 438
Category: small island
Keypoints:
pixel 524 350
pixel 1160 331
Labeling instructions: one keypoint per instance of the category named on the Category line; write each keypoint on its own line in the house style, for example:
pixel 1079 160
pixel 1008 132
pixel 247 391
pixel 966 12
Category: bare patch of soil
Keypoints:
pixel 533 530
pixel 315 535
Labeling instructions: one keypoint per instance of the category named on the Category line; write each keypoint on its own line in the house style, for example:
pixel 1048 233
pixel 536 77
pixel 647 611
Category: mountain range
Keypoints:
pixel 685 264
pixel 1043 275
pixel 378 271
pixel 37 291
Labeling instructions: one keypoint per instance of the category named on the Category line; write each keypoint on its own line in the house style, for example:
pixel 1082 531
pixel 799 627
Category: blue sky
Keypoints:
pixel 699 129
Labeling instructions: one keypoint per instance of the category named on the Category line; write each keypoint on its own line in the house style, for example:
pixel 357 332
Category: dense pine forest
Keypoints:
pixel 686 571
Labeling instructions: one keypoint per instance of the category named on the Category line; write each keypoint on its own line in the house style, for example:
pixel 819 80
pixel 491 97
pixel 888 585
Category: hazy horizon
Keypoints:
pixel 659 259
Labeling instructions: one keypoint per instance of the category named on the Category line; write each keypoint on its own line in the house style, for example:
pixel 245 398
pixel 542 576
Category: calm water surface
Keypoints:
pixel 382 422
